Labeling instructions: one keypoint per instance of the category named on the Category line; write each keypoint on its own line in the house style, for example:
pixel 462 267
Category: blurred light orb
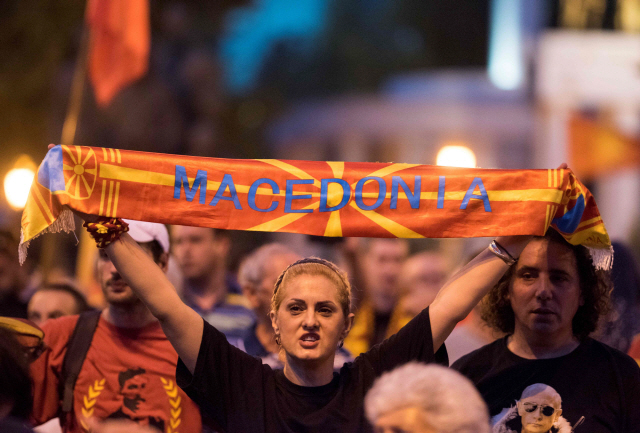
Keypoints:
pixel 456 156
pixel 17 184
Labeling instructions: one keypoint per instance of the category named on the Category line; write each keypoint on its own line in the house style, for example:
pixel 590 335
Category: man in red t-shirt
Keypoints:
pixel 129 370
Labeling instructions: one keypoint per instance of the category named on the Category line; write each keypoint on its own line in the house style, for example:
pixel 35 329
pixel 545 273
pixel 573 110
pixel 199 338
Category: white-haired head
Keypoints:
pixel 258 273
pixel 253 268
pixel 450 403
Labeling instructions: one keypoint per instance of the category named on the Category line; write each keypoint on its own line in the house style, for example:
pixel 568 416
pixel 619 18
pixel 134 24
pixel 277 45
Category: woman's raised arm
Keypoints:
pixel 182 326
pixel 468 286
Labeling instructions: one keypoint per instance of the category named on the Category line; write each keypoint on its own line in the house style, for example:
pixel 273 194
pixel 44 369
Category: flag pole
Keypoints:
pixel 69 128
pixel 77 89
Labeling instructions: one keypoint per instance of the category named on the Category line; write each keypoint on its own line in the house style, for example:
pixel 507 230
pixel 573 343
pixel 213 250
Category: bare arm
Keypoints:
pixel 468 286
pixel 182 326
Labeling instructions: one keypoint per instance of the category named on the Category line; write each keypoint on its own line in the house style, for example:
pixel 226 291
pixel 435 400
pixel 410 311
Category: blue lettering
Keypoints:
pixel 254 188
pixel 414 198
pixel 324 190
pixel 382 191
pixel 182 181
pixel 441 182
pixel 227 182
pixel 477 182
pixel 289 197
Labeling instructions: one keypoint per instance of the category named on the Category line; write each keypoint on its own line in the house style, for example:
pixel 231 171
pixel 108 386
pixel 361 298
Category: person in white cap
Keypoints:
pixel 126 369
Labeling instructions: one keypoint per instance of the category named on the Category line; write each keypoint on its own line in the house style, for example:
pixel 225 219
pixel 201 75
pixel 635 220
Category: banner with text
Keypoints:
pixel 310 197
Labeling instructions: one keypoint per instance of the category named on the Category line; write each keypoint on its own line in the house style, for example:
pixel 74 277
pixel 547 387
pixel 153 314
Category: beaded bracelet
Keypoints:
pixel 106 230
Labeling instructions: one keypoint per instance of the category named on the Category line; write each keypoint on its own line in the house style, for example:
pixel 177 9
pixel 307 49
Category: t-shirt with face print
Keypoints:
pixel 593 389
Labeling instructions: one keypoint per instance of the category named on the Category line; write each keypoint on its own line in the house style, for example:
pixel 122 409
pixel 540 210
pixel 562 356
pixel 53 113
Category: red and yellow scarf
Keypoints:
pixel 311 197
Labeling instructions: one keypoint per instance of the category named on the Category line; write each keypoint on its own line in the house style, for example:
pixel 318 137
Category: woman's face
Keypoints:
pixel 310 320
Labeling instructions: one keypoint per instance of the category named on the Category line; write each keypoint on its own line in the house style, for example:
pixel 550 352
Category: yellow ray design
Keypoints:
pixel 334 225
pixel 547 218
pixel 70 181
pixel 108 213
pixel 116 172
pixel 87 158
pixel 66 149
pixel 337 167
pixel 115 200
pixel 43 203
pixel 86 184
pixel 552 195
pixel 104 188
pixel 66 167
pixel 393 168
pixel 391 226
pixel 278 223
pixel 291 169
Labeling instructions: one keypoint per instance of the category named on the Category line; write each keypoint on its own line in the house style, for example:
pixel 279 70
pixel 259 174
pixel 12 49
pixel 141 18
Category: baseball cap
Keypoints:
pixel 142 231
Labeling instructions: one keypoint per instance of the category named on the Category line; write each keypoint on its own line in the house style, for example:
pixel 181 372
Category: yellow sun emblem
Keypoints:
pixel 80 183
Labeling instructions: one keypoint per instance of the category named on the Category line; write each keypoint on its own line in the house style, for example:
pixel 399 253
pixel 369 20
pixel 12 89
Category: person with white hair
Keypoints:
pixel 114 364
pixel 419 398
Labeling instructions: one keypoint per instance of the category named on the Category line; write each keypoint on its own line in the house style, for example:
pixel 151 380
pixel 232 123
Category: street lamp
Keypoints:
pixel 17 182
pixel 456 156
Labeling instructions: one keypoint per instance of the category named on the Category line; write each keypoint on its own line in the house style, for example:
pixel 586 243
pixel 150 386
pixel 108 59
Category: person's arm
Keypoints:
pixel 468 286
pixel 182 326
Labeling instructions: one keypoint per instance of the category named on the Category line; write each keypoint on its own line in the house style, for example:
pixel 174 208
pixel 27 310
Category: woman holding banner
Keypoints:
pixel 311 317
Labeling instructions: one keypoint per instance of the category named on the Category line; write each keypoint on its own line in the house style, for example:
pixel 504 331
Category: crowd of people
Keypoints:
pixel 294 344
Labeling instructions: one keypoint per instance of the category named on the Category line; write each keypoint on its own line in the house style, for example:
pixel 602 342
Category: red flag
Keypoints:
pixel 118 44
pixel 597 147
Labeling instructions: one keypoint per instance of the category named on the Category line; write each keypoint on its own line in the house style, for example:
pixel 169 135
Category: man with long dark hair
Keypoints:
pixel 548 303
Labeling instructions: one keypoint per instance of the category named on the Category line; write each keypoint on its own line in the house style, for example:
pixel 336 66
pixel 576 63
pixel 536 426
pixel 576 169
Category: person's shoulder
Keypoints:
pixel 479 358
pixel 595 348
pixel 61 327
pixel 57 333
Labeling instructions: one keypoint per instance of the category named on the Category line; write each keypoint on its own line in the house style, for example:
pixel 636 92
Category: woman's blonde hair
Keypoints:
pixel 314 266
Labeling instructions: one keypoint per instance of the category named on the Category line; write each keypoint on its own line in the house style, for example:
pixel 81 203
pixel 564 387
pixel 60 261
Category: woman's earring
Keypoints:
pixel 278 339
pixel 340 344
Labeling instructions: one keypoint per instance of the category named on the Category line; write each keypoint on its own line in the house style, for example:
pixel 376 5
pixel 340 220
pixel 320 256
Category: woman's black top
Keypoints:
pixel 242 395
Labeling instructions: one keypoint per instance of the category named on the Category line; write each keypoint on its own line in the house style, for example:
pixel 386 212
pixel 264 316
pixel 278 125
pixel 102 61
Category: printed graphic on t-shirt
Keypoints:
pixel 539 410
pixel 133 391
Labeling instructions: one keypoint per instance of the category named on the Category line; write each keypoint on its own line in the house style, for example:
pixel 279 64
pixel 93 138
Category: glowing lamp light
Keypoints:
pixel 506 63
pixel 17 182
pixel 456 156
